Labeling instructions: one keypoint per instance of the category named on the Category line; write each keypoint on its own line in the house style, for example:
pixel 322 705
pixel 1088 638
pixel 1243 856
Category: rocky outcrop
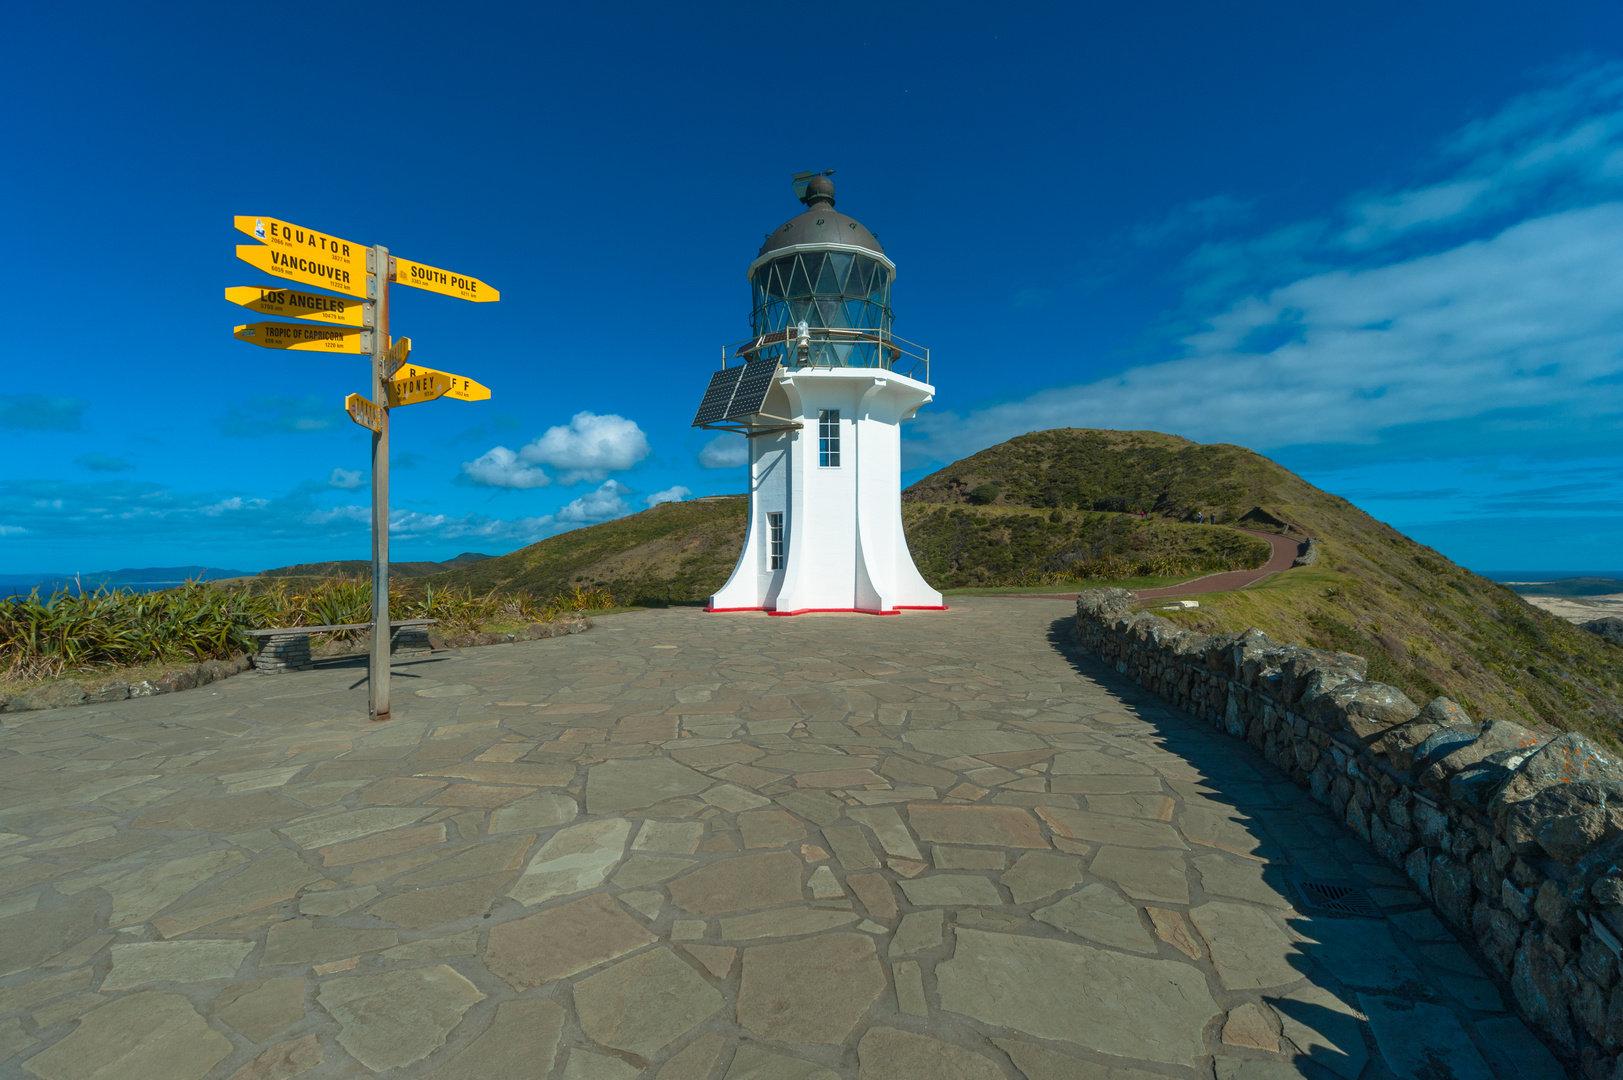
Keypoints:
pixel 1515 837
pixel 1309 555
pixel 1610 628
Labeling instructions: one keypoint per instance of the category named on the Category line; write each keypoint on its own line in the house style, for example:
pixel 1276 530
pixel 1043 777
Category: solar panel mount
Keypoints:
pixel 736 392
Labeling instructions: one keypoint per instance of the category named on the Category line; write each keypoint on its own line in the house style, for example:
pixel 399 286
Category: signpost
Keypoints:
pixel 306 338
pixel 309 257
pixel 291 304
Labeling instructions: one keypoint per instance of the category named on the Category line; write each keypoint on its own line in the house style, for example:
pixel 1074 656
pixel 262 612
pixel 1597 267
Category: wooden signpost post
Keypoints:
pixel 340 325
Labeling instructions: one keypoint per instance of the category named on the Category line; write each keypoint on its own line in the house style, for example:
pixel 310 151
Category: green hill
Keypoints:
pixel 1426 625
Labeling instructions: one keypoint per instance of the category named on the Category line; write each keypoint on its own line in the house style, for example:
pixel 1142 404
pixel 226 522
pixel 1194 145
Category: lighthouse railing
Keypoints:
pixel 797 348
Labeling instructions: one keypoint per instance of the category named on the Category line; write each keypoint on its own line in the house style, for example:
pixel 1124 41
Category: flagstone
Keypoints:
pixel 642 1004
pixel 1223 875
pixel 1096 763
pixel 991 826
pixel 947 743
pixel 421 909
pixel 887 825
pixel 1134 1007
pixel 1171 928
pixel 1109 829
pixel 222 816
pixel 35 991
pixel 382 845
pixel 521 1042
pixel 562 941
pixel 491 772
pixel 888 1054
pixel 1325 1029
pixel 717 959
pixel 141 894
pixel 733 798
pixel 753 1063
pixel 739 884
pixel 770 828
pixel 351 825
pixel 919 931
pixel 283 1061
pixel 299 941
pixel 398 1016
pixel 630 783
pixel 640 870
pixel 951 858
pixel 335 901
pixel 1247 946
pixel 875 893
pixel 951 890
pixel 485 796
pixel 506 853
pixel 533 813
pixel 586 1065
pixel 1086 784
pixel 267 880
pixel 147 1035
pixel 1152 874
pixel 810 991
pixel 850 846
pixel 139 963
pixel 1037 874
pixel 646 902
pixel 575 859
pixel 1099 914
pixel 259 1008
pixel 784 922
pixel 13 1039
pixel 669 837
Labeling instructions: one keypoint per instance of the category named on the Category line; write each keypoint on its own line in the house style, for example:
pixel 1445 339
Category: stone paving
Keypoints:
pixel 689 846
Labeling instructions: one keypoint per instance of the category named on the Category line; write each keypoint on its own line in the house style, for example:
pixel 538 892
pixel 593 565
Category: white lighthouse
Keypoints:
pixel 820 391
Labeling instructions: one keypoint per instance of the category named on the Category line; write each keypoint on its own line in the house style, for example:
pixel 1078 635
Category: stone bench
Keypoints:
pixel 288 648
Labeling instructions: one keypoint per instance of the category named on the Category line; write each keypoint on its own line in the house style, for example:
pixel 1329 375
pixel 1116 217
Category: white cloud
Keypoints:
pixel 410 525
pixel 670 494
pixel 500 467
pixel 600 505
pixel 1527 319
pixel 1483 297
pixel 346 479
pixel 725 452
pixel 233 503
pixel 589 447
pixel 350 514
pixel 12 530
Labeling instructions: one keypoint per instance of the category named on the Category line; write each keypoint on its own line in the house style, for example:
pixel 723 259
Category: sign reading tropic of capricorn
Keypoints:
pixel 354 323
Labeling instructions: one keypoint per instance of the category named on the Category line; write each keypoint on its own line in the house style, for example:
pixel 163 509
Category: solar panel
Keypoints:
pixel 718 395
pixel 751 393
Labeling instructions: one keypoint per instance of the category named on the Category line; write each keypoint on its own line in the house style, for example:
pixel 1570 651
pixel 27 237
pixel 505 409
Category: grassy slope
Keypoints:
pixel 674 553
pixel 1425 624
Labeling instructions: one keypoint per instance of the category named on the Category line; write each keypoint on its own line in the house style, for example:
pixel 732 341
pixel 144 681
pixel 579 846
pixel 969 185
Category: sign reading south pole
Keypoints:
pixel 421 276
pixel 292 304
pixel 306 338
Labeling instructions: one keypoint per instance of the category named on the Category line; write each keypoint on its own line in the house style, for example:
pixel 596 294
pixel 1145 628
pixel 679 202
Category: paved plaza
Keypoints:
pixel 938 846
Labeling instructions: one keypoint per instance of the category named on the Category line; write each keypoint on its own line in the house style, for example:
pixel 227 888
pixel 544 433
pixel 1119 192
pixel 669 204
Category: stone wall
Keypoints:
pixel 1515 837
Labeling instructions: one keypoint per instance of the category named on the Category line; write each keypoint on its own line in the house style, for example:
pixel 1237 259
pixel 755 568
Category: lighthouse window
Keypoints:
pixel 828 438
pixel 774 528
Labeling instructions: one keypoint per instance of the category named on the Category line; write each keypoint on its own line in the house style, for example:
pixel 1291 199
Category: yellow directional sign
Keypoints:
pixel 413 384
pixel 306 338
pixel 397 355
pixel 290 304
pixel 292 239
pixel 364 412
pixel 305 269
pixel 419 276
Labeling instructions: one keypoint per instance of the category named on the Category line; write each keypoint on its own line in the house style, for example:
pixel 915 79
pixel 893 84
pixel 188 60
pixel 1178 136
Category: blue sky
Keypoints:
pixel 1382 245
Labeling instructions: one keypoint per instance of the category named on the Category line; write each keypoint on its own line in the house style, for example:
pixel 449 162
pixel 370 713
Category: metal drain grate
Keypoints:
pixel 1337 899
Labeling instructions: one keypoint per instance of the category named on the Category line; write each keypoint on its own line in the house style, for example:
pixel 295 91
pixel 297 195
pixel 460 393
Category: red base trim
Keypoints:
pixel 829 610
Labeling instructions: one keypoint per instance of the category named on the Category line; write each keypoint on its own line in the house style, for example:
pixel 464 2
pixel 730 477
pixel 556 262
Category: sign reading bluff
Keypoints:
pixel 421 276
pixel 412 384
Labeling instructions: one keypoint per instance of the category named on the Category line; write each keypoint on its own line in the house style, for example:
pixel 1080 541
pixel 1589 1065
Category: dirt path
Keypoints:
pixel 1285 552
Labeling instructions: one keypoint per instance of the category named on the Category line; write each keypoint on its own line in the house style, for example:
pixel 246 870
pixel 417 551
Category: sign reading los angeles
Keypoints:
pixel 306 338
pixel 419 276
pixel 291 304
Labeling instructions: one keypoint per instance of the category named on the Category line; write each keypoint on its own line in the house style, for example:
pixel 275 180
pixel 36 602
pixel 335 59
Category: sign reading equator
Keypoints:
pixel 292 239
pixel 292 304
pixel 421 276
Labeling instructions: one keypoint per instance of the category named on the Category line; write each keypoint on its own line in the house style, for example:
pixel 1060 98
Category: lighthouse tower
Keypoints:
pixel 820 390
